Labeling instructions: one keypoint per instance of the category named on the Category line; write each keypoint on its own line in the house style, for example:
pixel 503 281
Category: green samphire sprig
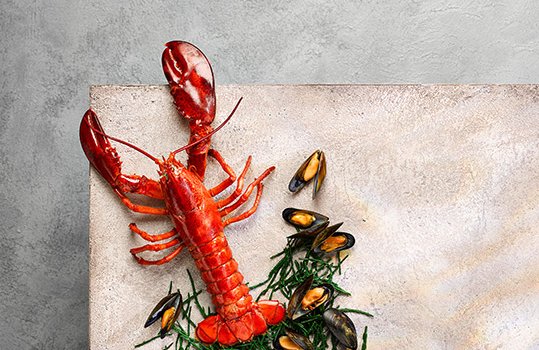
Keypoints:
pixel 293 265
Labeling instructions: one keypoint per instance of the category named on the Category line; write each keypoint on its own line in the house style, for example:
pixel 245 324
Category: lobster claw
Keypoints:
pixel 192 86
pixel 98 149
pixel 104 158
pixel 191 81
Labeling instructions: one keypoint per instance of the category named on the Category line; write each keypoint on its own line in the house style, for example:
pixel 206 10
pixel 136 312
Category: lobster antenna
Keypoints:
pixel 122 142
pixel 211 133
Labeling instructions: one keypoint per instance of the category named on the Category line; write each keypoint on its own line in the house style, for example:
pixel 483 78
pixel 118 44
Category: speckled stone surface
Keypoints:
pixel 438 183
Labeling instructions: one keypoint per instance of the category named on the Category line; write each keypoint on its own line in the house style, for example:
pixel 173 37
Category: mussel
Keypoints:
pixel 292 341
pixel 303 219
pixel 310 233
pixel 336 242
pixel 168 309
pixel 313 168
pixel 330 241
pixel 342 327
pixel 306 298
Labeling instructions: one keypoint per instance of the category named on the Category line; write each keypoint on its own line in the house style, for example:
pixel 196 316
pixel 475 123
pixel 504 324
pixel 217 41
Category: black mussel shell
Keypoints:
pixel 342 327
pixel 335 243
pixel 294 339
pixel 303 219
pixel 306 298
pixel 297 297
pixel 173 300
pixel 320 174
pixel 314 298
pixel 328 232
pixel 311 232
pixel 310 169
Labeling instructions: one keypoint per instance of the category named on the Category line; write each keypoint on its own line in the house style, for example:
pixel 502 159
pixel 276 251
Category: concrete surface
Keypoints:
pixel 437 183
pixel 52 51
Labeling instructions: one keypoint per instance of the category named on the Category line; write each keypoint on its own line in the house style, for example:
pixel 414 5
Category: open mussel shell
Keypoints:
pixel 297 296
pixel 303 219
pixel 313 168
pixel 311 232
pixel 335 243
pixel 342 327
pixel 292 341
pixel 314 298
pixel 324 234
pixel 306 298
pixel 320 174
pixel 168 309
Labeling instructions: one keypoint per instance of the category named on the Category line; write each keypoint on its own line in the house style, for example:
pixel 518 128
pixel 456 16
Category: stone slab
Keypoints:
pixel 438 183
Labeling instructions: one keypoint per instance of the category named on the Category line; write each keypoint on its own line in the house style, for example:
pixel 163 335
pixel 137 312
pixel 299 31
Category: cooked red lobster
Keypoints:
pixel 197 217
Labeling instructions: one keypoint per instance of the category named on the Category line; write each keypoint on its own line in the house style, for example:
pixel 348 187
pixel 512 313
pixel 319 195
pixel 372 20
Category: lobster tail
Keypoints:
pixel 242 329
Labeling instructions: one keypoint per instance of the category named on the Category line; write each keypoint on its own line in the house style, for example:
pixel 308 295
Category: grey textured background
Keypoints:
pixel 51 51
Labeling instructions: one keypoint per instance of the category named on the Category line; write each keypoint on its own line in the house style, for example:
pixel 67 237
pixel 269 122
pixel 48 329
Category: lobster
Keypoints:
pixel 199 220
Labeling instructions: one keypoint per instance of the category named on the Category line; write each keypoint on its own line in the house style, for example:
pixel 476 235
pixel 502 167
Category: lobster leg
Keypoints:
pixel 160 261
pixel 156 248
pixel 152 238
pixel 239 188
pixel 245 196
pixel 249 212
pixel 143 209
pixel 231 175
pixel 105 160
